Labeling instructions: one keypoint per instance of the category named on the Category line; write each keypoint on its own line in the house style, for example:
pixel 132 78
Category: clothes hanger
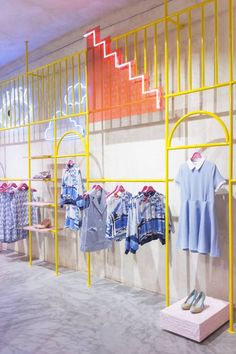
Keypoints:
pixel 150 189
pixel 119 189
pixel 22 187
pixel 144 189
pixel 3 187
pixel 98 187
pixel 11 185
pixel 196 155
pixel 114 191
pixel 25 187
pixel 70 163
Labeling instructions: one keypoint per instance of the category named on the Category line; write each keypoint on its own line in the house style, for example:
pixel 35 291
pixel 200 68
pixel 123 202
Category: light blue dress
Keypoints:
pixel 197 224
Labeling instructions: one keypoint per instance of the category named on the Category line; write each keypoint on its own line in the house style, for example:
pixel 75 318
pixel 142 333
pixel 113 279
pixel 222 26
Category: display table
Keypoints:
pixel 195 326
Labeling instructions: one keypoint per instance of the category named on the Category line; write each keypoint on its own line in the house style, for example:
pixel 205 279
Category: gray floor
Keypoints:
pixel 43 314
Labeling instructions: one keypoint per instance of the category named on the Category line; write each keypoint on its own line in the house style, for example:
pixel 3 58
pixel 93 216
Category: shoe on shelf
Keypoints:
pixel 198 303
pixel 43 175
pixel 189 301
pixel 45 224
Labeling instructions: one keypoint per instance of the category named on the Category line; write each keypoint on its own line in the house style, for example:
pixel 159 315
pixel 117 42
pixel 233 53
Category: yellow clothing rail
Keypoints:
pixel 51 77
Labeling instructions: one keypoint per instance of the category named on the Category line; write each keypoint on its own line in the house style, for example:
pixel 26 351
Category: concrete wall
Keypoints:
pixel 134 148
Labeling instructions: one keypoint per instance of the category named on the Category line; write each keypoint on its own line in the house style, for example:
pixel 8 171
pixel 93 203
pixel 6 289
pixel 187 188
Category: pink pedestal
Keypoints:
pixel 195 326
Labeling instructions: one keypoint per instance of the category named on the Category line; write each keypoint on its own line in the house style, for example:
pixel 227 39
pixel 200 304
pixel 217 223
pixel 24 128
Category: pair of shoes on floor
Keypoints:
pixel 43 175
pixel 45 224
pixel 194 302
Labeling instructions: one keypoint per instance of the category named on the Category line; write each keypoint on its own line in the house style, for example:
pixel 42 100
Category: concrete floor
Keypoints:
pixel 42 314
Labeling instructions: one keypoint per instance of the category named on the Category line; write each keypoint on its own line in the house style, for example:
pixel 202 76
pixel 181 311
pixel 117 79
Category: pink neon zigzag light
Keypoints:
pixel 126 64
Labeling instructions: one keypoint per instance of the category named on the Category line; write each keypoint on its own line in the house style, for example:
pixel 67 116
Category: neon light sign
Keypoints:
pixel 71 103
pixel 129 64
pixel 14 102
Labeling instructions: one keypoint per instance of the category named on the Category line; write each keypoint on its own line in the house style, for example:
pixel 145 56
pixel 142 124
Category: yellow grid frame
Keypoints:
pixel 168 19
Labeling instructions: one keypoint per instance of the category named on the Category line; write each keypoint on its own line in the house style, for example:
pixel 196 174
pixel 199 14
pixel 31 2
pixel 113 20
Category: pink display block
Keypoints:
pixel 195 326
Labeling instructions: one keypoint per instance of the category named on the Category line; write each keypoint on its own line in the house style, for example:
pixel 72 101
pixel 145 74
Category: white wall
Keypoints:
pixel 134 148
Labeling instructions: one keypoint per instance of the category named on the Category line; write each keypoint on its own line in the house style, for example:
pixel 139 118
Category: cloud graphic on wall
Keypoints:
pixel 75 93
pixel 73 105
pixel 73 125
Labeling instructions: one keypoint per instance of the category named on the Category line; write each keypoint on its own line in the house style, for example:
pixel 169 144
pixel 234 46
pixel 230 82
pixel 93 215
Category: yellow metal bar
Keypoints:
pixel 2 120
pixel 211 87
pixel 48 93
pixel 23 97
pixel 14 179
pixel 167 270
pixel 203 46
pixel 126 48
pixel 60 89
pixel 145 50
pixel 38 98
pixel 41 157
pixel 68 57
pixel 32 97
pixel 87 149
pixel 43 95
pixel 216 54
pixel 233 180
pixel 66 74
pixel 71 132
pixel 29 149
pixel 230 167
pixel 191 8
pixel 174 22
pixel 44 121
pixel 197 146
pixel 6 107
pixel 178 54
pixel 71 155
pixel 36 75
pixel 55 174
pixel 59 118
pixel 18 99
pixel 155 56
pixel 73 83
pixel 135 53
pixel 198 113
pixel 79 84
pixel 10 106
pixel 150 24
pixel 127 180
pixel 190 84
pixel 14 105
pixel 169 18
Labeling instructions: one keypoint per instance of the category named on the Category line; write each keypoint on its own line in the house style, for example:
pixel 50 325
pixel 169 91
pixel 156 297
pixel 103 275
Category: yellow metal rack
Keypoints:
pixel 45 86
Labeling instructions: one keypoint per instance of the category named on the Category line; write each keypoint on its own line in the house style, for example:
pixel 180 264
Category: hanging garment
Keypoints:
pixel 93 228
pixel 14 215
pixel 197 224
pixel 146 220
pixel 73 218
pixel 72 185
pixel 117 215
pixel 72 190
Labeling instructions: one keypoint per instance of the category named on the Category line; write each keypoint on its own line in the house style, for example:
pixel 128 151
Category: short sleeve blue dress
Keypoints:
pixel 198 182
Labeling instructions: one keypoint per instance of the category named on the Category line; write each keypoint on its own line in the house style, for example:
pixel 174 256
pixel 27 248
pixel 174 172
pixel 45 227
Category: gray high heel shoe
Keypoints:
pixel 189 301
pixel 198 303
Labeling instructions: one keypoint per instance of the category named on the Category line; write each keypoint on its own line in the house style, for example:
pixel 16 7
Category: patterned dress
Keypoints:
pixel 71 190
pixel 14 215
